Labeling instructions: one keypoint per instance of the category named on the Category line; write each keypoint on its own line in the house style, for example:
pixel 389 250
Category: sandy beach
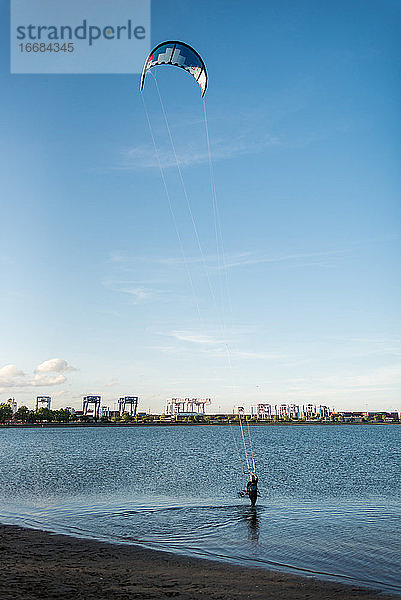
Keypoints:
pixel 39 565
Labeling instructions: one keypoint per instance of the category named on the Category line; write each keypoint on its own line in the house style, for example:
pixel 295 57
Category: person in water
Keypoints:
pixel 252 488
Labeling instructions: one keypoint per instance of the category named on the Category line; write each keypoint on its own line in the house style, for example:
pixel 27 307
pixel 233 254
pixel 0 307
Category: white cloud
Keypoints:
pixel 11 376
pixel 40 380
pixel 10 371
pixel 54 365
pixel 50 372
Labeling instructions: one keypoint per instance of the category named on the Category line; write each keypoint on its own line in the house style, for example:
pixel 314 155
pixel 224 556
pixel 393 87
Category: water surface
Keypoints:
pixel 329 506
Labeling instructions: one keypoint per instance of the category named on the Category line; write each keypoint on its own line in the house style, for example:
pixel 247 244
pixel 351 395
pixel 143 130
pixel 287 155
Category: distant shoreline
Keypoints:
pixel 189 424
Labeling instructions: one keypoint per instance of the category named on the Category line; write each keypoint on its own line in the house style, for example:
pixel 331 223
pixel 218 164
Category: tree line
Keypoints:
pixel 24 415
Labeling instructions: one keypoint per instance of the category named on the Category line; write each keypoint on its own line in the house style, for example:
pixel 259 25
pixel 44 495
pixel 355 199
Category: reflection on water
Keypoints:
pixel 330 499
pixel 252 520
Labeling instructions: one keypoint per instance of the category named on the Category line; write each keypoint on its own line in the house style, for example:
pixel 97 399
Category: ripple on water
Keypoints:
pixel 329 506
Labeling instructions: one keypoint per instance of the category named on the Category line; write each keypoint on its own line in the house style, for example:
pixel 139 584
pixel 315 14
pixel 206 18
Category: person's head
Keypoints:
pixel 253 477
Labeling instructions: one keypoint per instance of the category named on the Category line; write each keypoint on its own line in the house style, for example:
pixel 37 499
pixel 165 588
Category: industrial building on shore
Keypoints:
pixel 185 410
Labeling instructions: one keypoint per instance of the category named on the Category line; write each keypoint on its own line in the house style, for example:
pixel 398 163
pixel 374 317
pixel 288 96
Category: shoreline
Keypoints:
pixel 189 424
pixel 38 565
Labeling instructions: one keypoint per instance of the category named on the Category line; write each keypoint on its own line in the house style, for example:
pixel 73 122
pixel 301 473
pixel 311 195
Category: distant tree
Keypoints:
pixel 44 414
pixel 6 413
pixel 22 414
pixel 62 415
pixel 31 416
pixel 126 418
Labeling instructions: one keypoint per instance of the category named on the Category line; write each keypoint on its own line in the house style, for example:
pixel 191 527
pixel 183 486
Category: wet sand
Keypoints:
pixel 39 565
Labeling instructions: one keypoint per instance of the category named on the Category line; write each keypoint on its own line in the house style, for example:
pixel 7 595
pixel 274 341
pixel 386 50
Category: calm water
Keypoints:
pixel 329 506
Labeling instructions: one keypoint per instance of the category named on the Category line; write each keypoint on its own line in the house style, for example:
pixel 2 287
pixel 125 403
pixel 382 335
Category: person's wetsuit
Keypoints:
pixel 252 489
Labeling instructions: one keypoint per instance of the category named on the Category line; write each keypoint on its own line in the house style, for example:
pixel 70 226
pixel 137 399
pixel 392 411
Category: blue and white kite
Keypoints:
pixel 177 54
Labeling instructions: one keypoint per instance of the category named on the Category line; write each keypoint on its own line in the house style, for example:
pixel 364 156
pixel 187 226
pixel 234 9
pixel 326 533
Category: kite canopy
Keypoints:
pixel 177 54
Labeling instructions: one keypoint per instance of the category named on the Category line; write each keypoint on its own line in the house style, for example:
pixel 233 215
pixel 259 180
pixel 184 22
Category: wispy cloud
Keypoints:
pixel 221 351
pixel 214 346
pixel 145 157
pixel 137 292
pixel 196 338
pixel 233 260
pixel 120 259
pixel 297 258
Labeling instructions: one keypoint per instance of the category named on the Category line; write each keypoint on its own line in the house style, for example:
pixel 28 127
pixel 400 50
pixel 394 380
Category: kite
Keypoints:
pixel 180 55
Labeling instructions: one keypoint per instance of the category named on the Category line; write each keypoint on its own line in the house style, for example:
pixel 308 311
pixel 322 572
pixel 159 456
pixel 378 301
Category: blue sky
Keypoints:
pixel 303 113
